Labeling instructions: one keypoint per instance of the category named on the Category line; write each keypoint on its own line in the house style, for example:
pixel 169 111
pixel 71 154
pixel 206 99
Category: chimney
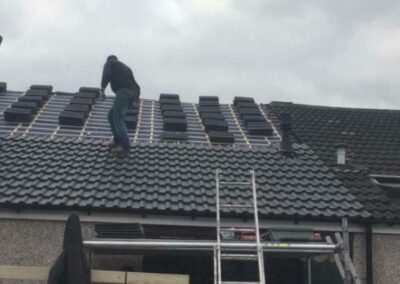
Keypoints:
pixel 340 154
pixel 286 126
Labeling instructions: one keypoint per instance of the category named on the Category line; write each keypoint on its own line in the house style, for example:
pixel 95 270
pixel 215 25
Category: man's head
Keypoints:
pixel 111 58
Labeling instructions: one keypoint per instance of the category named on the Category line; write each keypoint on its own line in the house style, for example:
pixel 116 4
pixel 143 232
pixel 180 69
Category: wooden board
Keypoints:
pixel 154 278
pixel 24 272
pixel 105 276
pixel 98 276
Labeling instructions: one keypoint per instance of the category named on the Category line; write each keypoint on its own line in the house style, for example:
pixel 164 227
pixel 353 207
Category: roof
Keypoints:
pixel 372 136
pixel 372 140
pixel 48 165
pixel 166 178
pixel 374 198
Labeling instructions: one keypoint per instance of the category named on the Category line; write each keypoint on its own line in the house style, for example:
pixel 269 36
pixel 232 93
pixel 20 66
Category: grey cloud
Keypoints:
pixel 316 52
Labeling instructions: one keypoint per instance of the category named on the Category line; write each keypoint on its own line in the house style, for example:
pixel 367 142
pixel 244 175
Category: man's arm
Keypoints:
pixel 105 79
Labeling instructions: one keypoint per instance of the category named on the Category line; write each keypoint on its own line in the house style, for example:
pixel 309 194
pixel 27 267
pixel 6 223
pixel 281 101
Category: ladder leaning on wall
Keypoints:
pixel 222 253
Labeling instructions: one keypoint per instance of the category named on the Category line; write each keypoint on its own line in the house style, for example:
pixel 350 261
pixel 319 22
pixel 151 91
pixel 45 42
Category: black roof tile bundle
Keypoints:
pixel 214 121
pixel 168 178
pixel 90 90
pixel 174 118
pixel 209 109
pixel 174 136
pixel 88 96
pixel 237 100
pixel 86 108
pixel 42 94
pixel 253 120
pixel 47 88
pixel 259 128
pixel 74 118
pixel 248 119
pixel 24 110
pixel 36 99
pixel 209 101
pixel 131 116
pixel 79 107
pixel 213 116
pixel 29 105
pixel 81 101
pixel 212 125
pixel 131 121
pixel 221 137
pixel 175 114
pixel 169 101
pixel 16 114
pixel 3 87
pixel 175 124
pixel 169 96
pixel 60 93
pixel 170 107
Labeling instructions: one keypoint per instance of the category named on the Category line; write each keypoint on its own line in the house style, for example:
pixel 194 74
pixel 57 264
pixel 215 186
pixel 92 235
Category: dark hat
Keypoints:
pixel 112 57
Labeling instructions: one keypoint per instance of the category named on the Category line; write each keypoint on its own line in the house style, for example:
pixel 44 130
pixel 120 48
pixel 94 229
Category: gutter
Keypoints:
pixel 108 217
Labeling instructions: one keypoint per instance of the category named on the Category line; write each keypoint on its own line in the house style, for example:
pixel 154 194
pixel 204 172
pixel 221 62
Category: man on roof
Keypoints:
pixel 127 92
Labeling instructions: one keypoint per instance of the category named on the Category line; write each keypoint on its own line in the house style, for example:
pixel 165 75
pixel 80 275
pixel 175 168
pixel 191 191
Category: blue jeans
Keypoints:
pixel 116 116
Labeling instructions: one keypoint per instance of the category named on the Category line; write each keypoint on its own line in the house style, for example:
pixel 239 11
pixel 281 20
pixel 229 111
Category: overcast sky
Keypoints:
pixel 327 52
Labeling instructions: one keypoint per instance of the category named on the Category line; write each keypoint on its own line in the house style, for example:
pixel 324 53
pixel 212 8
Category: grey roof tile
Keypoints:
pixel 167 178
pixel 372 139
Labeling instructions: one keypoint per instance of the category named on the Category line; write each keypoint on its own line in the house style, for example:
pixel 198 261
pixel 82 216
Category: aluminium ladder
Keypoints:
pixel 220 256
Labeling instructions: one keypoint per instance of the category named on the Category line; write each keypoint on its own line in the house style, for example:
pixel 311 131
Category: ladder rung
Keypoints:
pixel 235 183
pixel 244 230
pixel 231 256
pixel 238 282
pixel 237 206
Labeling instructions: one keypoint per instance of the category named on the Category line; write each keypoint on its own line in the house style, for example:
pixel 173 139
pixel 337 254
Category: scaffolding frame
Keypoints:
pixel 340 250
pixel 302 249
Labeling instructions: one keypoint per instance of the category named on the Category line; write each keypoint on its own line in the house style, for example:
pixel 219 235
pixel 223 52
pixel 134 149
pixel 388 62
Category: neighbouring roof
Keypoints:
pixel 373 197
pixel 372 140
pixel 372 136
pixel 166 178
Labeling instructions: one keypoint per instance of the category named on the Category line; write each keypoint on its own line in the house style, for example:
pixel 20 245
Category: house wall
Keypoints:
pixel 385 256
pixel 38 243
pixel 34 243
pixel 358 250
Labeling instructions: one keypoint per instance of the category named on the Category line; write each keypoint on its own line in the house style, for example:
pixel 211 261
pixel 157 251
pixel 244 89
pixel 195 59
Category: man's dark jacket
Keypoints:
pixel 119 75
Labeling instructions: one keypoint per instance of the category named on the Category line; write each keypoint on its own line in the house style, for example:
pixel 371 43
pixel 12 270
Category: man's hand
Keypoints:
pixel 102 95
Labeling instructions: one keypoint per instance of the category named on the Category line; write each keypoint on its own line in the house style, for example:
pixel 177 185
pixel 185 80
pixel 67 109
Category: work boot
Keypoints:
pixel 119 150
pixel 111 144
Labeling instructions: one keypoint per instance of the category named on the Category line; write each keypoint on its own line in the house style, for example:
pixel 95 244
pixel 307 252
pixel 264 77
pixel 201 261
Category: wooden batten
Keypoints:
pixel 98 276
